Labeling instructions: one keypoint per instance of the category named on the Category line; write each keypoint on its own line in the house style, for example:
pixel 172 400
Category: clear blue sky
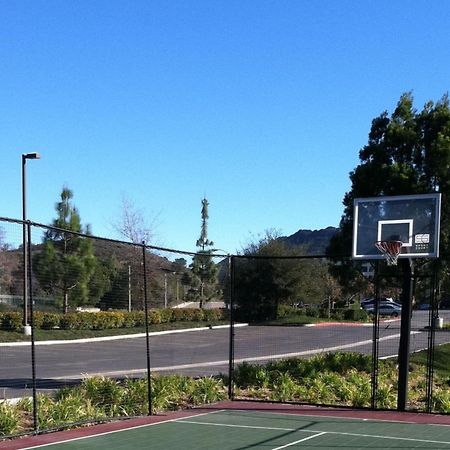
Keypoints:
pixel 262 106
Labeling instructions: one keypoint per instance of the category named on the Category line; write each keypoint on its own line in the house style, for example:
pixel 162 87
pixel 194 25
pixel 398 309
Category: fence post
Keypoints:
pixel 230 276
pixel 405 334
pixel 375 338
pixel 432 316
pixel 147 339
pixel 33 349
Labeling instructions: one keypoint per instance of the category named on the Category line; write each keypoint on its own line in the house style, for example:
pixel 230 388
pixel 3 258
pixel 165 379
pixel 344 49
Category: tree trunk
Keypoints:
pixel 66 302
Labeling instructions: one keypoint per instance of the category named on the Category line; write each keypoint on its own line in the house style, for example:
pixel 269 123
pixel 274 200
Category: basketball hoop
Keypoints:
pixel 390 250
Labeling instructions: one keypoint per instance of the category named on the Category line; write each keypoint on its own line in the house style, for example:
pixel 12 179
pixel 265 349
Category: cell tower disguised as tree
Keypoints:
pixel 202 264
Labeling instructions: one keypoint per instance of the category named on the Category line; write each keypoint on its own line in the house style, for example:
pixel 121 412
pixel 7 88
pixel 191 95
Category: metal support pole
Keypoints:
pixel 230 276
pixel 405 334
pixel 129 287
pixel 147 338
pixel 25 156
pixel 24 247
pixel 33 352
pixel 432 319
pixel 165 291
pixel 375 338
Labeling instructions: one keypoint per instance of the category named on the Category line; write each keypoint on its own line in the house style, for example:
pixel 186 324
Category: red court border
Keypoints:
pixel 60 436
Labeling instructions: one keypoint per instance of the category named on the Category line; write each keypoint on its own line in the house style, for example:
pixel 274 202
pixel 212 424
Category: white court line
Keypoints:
pixel 321 432
pixel 300 440
pixel 374 436
pixel 230 425
pixel 63 441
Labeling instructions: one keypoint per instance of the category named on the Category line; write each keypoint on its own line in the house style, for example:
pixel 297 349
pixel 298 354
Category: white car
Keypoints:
pixel 386 309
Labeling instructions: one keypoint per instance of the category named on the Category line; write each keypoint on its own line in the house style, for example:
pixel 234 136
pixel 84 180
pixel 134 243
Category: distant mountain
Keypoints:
pixel 314 241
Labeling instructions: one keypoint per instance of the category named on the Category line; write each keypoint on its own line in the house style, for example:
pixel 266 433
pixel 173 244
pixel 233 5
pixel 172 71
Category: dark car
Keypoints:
pixel 445 304
pixel 370 303
pixel 424 307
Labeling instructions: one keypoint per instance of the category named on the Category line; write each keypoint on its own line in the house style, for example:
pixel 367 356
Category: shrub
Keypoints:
pixel 245 374
pixel 110 319
pixel 286 311
pixel 9 419
pixel 170 392
pixel 135 397
pixel 284 388
pixel 154 316
pixel 178 314
pixel 72 407
pixel 338 314
pixel 198 314
pixel 186 314
pixel 342 362
pixel 356 315
pixel 38 319
pixel 312 312
pixel 213 315
pixel 134 319
pixel 50 321
pixel 105 393
pixel 320 392
pixel 107 320
pixel 386 395
pixel 74 321
pixel 166 315
pixel 207 390
pixel 12 321
pixel 362 389
pixel 441 400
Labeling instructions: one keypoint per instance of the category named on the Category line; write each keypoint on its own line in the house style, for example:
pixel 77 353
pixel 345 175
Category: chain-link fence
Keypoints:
pixel 311 341
pixel 128 325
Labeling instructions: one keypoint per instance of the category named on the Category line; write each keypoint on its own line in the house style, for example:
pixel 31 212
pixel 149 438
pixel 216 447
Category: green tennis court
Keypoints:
pixel 231 429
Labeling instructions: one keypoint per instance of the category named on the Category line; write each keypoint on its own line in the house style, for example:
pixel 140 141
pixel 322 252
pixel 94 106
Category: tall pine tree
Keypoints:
pixel 67 262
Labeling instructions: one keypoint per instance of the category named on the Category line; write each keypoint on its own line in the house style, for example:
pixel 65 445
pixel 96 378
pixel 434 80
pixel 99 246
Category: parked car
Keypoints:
pixel 371 301
pixel 445 304
pixel 383 301
pixel 386 309
pixel 424 307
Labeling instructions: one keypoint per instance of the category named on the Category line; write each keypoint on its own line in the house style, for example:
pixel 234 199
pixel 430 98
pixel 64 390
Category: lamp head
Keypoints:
pixel 31 156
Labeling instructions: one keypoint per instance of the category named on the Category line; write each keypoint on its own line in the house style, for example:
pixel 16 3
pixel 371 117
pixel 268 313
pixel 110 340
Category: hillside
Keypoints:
pixel 315 241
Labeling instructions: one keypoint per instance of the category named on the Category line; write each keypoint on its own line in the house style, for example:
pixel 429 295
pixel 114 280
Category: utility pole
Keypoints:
pixel 129 287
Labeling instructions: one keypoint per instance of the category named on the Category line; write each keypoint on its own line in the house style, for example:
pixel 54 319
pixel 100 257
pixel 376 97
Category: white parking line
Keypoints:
pixel 225 362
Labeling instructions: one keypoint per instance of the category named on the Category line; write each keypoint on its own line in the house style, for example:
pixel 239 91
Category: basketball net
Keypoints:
pixel 390 250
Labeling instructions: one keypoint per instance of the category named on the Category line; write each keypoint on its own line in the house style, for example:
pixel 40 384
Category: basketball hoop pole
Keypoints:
pixel 405 334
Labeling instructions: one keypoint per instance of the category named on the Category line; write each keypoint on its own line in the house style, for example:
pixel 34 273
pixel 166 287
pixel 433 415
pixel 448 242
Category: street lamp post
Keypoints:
pixel 166 271
pixel 26 327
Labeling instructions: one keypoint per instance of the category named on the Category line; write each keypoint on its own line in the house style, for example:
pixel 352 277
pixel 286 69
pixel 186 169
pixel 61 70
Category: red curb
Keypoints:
pixel 353 324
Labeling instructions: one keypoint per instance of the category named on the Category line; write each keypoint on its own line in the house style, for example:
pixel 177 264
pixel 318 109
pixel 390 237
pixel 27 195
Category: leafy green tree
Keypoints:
pixel 407 153
pixel 5 278
pixel 268 274
pixel 66 265
pixel 203 265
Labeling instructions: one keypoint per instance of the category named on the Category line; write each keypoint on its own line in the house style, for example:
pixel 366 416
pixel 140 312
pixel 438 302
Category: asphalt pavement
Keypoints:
pixel 195 353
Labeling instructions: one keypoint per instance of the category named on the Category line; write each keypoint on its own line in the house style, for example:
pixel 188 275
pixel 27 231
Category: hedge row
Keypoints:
pixel 12 321
pixel 358 315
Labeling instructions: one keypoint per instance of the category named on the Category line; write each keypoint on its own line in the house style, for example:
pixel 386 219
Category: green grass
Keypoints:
pixel 293 320
pixel 44 335
pixel 441 360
